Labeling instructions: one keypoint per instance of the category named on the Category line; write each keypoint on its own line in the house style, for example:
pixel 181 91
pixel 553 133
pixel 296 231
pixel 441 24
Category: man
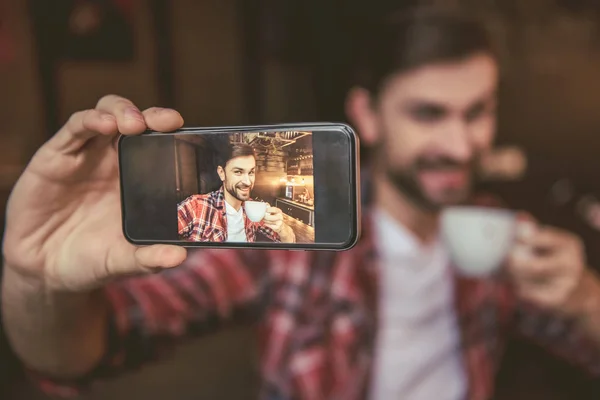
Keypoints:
pixel 387 320
pixel 220 216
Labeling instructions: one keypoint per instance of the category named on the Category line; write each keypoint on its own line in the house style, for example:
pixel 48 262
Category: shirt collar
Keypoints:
pixel 395 239
pixel 229 210
pixel 220 199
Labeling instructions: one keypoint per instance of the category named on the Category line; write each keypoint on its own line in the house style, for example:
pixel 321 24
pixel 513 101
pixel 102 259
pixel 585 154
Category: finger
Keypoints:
pixel 273 217
pixel 159 256
pixel 524 216
pixel 130 119
pixel 274 226
pixel 163 119
pixel 540 237
pixel 548 238
pixel 276 211
pixel 524 264
pixel 541 294
pixel 81 127
pixel 273 210
pixel 129 259
pixel 526 229
pixel 546 290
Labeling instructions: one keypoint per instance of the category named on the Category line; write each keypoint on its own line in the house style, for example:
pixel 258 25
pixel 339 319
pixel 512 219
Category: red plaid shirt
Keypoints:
pixel 317 314
pixel 202 218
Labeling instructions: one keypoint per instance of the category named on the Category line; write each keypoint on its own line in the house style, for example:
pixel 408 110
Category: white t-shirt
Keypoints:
pixel 236 231
pixel 417 353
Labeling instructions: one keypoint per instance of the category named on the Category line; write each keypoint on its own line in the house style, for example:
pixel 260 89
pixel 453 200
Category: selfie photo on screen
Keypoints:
pixel 245 187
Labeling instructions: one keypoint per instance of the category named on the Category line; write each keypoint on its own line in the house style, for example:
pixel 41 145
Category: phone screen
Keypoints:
pixel 287 186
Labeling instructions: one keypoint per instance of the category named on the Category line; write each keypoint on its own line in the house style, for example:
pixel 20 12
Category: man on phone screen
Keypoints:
pixel 220 216
pixel 388 319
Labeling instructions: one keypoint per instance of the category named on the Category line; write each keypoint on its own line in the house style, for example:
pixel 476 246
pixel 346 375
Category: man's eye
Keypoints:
pixel 427 114
pixel 475 113
pixel 251 173
pixel 238 172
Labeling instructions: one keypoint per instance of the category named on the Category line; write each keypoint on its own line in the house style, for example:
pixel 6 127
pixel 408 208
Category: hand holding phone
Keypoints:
pixel 63 221
pixel 213 187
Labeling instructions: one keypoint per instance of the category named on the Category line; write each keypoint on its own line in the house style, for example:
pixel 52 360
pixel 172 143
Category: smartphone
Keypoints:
pixel 289 186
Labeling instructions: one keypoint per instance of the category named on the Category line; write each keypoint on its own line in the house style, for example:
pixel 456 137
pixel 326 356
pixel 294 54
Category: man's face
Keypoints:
pixel 432 124
pixel 238 177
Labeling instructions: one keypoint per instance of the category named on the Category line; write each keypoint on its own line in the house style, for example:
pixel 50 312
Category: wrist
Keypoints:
pixel 53 332
pixel 585 302
pixel 27 281
pixel 14 275
pixel 287 234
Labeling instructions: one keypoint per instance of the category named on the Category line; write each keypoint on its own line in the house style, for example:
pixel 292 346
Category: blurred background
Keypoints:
pixel 229 62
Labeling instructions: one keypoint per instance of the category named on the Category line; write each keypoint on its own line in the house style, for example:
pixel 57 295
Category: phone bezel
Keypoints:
pixel 354 200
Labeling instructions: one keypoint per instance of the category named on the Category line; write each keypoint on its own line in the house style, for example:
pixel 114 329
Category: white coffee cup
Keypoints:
pixel 478 239
pixel 255 210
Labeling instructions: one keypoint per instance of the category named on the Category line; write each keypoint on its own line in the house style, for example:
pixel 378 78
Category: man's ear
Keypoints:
pixel 221 173
pixel 359 111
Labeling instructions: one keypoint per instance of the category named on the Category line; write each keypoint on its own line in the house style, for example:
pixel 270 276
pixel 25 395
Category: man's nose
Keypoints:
pixel 458 141
pixel 246 180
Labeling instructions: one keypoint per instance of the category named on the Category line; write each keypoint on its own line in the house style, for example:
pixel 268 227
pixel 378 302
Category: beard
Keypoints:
pixel 236 191
pixel 406 180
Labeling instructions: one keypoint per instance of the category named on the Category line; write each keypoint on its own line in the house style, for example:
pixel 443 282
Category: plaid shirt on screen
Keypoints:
pixel 317 316
pixel 202 218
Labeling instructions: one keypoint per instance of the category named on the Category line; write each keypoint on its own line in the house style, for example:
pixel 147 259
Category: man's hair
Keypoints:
pixel 416 38
pixel 235 150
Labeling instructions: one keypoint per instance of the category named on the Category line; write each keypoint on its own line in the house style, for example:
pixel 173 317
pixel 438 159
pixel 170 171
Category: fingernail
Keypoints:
pixel 133 113
pixel 525 229
pixel 107 117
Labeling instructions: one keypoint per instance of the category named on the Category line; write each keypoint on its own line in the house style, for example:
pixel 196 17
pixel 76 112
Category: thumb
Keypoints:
pixel 527 225
pixel 524 216
pixel 159 256
pixel 129 259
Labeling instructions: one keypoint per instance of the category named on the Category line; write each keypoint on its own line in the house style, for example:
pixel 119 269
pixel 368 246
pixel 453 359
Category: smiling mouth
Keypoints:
pixel 449 178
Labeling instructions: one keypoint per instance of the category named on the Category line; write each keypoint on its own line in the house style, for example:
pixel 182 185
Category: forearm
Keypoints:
pixel 59 334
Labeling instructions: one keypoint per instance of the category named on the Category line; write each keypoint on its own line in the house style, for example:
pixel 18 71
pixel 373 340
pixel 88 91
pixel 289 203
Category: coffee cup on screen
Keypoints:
pixel 478 239
pixel 255 210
